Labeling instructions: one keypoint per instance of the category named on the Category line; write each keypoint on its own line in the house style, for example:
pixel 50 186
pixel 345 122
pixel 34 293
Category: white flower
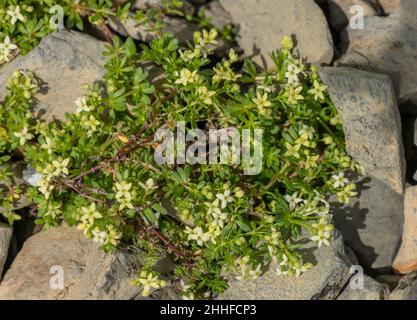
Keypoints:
pixel 306 132
pixel 318 90
pixel 206 95
pixel 261 102
pixel 213 207
pixel 81 104
pixel 225 198
pixel 293 200
pixel 89 214
pixel 24 136
pixel 99 236
pixel 90 123
pixel 47 145
pixel 186 76
pixel 53 210
pixel 45 187
pixel 113 235
pixel 321 238
pixel 149 281
pixel 6 48
pixel 149 185
pixel 339 180
pixel 199 236
pixel 122 189
pixel 15 15
pixel 61 166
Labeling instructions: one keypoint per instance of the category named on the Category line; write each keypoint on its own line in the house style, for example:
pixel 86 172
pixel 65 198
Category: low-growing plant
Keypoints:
pixel 96 170
pixel 26 22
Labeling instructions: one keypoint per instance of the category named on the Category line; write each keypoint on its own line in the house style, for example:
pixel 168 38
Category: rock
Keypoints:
pixel 87 272
pixel 182 29
pixel 324 281
pixel 389 6
pixel 406 12
pixel 371 122
pixel 391 280
pixel 340 12
pixel 372 290
pixel 262 24
pixel 6 232
pixel 64 61
pixel 406 289
pixel 386 45
pixel 372 224
pixel 372 129
pixel 406 259
pixel 219 17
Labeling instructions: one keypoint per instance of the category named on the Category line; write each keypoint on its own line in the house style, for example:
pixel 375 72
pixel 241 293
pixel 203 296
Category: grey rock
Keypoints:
pixel 371 122
pixel 391 280
pixel 6 233
pixel 372 290
pixel 372 224
pixel 31 176
pixel 219 17
pixel 406 289
pixel 324 281
pixel 263 23
pixel 387 45
pixel 340 11
pixel 372 128
pixel 389 6
pixel 406 11
pixel 64 61
pixel 88 273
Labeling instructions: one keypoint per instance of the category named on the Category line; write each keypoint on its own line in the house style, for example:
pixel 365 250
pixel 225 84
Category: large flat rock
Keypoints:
pixel 88 273
pixel 263 23
pixel 372 224
pixel 325 280
pixel 64 61
pixel 388 45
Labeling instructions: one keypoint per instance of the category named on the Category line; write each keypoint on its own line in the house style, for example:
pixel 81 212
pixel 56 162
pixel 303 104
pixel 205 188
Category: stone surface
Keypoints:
pixel 88 273
pixel 263 23
pixel 387 45
pixel 406 289
pixel 325 280
pixel 372 223
pixel 6 233
pixel 389 6
pixel 406 12
pixel 339 12
pixel 391 280
pixel 64 61
pixel 371 122
pixel 218 15
pixel 372 290
pixel 406 259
